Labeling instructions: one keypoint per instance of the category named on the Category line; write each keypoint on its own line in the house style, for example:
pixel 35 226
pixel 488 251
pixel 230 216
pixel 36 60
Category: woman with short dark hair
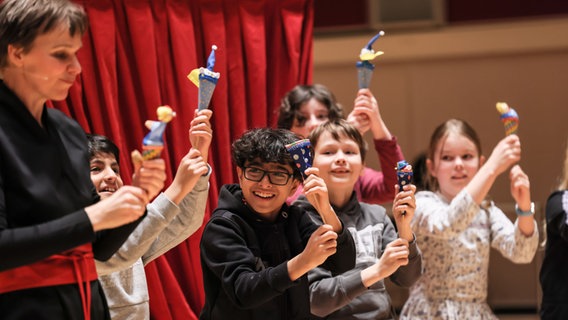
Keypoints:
pixel 52 225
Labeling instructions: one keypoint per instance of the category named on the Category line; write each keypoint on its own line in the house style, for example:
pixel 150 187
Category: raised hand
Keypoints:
pixel 126 205
pixel 191 167
pixel 321 245
pixel 366 115
pixel 520 190
pixel 520 187
pixel 316 191
pixel 506 153
pixel 395 255
pixel 365 108
pixel 150 175
pixel 403 207
pixel 200 132
pixel 317 194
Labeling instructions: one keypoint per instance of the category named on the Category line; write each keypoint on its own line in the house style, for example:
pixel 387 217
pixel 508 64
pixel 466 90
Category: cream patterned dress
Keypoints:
pixel 455 239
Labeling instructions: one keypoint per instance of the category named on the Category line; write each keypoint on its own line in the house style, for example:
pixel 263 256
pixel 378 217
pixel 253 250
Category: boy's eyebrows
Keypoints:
pixel 101 162
pixel 327 143
pixel 278 166
pixel 283 168
pixel 254 163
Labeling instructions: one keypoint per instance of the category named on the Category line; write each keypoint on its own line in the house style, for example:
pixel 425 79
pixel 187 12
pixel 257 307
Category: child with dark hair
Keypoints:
pixel 256 250
pixel 100 144
pixel 360 293
pixel 171 218
pixel 305 107
pixel 420 178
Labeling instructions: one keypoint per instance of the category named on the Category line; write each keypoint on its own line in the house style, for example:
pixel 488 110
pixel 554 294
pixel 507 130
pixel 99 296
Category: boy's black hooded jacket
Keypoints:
pixel 244 261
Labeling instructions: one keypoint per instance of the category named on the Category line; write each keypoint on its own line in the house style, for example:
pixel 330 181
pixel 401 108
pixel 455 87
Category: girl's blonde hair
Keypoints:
pixel 564 178
pixel 439 135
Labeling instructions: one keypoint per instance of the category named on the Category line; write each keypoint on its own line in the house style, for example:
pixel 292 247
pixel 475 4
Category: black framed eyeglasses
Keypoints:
pixel 278 178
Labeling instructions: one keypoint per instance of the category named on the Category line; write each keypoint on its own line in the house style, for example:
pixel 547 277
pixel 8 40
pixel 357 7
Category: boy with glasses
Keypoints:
pixel 256 250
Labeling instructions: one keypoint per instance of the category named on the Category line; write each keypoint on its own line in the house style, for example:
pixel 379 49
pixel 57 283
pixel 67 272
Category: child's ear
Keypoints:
pixel 362 169
pixel 481 160
pixel 429 166
pixel 295 185
pixel 240 174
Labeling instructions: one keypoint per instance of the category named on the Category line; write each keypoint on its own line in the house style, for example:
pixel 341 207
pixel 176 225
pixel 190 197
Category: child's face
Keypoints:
pixel 105 174
pixel 264 197
pixel 456 161
pixel 314 113
pixel 339 162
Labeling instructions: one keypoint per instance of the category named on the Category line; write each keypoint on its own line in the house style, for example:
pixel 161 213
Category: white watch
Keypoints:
pixel 522 213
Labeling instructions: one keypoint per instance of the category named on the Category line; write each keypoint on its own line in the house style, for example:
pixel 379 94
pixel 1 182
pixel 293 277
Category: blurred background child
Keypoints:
pixel 305 107
pixel 554 270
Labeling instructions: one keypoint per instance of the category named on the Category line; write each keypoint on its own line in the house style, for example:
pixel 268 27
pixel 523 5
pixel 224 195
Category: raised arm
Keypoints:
pixel 175 214
pixel 376 186
pixel 506 153
pixel 521 192
pixel 317 194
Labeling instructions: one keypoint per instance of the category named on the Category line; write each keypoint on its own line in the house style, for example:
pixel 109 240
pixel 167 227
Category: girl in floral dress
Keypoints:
pixel 455 226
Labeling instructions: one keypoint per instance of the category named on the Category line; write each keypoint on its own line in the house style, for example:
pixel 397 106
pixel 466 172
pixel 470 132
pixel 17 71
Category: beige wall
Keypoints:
pixel 429 76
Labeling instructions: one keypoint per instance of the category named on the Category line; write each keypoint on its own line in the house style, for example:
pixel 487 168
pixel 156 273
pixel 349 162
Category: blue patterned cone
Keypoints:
pixel 207 85
pixel 404 173
pixel 301 154
pixel 364 73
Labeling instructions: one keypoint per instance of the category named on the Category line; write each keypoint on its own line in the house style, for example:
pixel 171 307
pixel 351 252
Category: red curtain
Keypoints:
pixel 136 56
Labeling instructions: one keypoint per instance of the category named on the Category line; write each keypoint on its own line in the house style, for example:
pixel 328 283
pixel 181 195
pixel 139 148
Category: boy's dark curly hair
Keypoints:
pixel 265 145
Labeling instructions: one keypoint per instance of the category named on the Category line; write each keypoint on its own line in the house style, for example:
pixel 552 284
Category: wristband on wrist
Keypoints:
pixel 208 171
pixel 522 213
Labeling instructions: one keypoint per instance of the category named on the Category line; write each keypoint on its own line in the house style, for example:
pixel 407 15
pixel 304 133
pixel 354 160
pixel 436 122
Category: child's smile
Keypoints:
pixel 263 196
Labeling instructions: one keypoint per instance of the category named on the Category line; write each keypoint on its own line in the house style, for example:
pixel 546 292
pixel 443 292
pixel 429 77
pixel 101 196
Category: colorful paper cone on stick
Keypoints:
pixel 206 80
pixel 364 73
pixel 509 117
pixel 301 154
pixel 364 67
pixel 404 173
pixel 153 142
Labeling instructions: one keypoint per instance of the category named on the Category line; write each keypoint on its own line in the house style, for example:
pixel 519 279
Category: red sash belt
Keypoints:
pixel 73 266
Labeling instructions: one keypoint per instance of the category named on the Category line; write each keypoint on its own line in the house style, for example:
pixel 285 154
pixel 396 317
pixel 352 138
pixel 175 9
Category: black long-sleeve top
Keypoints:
pixel 554 270
pixel 44 187
pixel 244 261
